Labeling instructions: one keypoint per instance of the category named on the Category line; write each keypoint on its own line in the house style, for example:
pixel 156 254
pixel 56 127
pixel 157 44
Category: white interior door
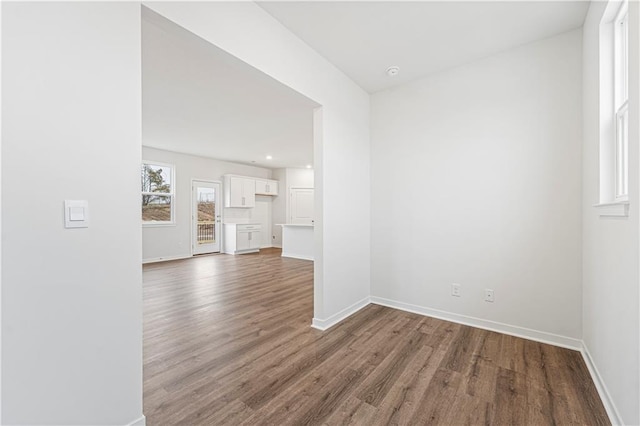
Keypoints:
pixel 301 206
pixel 205 217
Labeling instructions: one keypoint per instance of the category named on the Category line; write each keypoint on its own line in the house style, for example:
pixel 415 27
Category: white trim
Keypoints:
pixel 141 421
pixel 618 209
pixel 340 316
pixel 297 256
pixel 152 224
pixel 512 330
pixel 607 401
pixel 166 259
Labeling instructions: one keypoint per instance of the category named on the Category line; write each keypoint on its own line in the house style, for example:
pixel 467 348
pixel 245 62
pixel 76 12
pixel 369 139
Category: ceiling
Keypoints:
pixel 197 99
pixel 363 39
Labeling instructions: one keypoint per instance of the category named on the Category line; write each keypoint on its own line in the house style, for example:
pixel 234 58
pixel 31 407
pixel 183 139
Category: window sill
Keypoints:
pixel 157 224
pixel 615 209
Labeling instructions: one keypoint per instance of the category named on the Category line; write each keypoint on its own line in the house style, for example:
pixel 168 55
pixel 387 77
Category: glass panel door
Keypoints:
pixel 206 217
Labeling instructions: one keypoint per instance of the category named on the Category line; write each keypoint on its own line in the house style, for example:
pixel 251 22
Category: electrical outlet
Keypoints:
pixel 455 290
pixel 488 295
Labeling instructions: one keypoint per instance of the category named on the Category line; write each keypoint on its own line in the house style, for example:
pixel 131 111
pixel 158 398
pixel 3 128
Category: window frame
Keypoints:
pixel 621 103
pixel 171 195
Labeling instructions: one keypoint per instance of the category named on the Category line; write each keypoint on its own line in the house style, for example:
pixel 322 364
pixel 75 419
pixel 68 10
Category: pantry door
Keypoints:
pixel 301 206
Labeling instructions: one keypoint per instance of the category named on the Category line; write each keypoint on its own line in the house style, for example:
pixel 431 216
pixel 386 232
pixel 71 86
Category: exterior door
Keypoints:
pixel 301 206
pixel 205 217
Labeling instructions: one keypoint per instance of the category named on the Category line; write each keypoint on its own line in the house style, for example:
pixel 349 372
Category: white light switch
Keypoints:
pixel 76 214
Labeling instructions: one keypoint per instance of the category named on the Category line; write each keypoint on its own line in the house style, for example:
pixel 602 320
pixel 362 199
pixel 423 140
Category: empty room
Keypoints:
pixel 320 213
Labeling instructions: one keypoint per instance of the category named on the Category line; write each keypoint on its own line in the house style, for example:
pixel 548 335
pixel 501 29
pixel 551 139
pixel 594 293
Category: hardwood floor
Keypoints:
pixel 227 340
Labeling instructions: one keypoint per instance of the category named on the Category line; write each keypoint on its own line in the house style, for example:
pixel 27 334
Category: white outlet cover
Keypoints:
pixel 488 295
pixel 455 290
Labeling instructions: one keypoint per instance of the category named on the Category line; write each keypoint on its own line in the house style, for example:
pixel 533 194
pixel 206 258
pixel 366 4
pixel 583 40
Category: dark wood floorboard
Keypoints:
pixel 227 340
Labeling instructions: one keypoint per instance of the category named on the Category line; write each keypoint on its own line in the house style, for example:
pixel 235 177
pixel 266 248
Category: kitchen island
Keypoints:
pixel 297 241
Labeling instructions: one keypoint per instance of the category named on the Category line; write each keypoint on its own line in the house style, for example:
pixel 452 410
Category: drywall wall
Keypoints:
pixel 0 220
pixel 299 178
pixel 174 241
pixel 476 181
pixel 279 207
pixel 71 298
pixel 610 314
pixel 341 156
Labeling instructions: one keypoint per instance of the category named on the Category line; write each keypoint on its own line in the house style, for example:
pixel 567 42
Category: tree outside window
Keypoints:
pixel 157 193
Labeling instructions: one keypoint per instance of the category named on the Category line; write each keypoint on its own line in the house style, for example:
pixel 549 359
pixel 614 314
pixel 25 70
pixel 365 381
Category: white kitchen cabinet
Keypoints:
pixel 240 238
pixel 239 191
pixel 266 187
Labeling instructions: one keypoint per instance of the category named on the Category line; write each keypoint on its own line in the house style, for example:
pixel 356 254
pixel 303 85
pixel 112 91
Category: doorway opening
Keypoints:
pixel 214 117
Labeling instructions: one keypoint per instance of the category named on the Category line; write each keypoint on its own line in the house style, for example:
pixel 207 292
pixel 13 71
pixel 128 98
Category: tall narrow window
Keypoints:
pixel 621 103
pixel 157 193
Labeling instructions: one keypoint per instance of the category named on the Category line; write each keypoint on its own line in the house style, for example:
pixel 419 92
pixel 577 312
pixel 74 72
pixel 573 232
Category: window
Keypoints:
pixel 614 110
pixel 157 193
pixel 621 102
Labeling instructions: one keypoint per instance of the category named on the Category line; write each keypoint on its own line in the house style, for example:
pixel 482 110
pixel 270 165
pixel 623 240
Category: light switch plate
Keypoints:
pixel 76 214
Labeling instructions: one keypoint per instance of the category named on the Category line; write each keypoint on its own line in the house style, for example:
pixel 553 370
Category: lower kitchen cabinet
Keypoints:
pixel 240 238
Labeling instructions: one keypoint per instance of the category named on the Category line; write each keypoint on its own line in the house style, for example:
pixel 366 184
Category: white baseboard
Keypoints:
pixel 336 318
pixel 142 421
pixel 165 259
pixel 276 246
pixel 296 256
pixel 607 401
pixel 512 330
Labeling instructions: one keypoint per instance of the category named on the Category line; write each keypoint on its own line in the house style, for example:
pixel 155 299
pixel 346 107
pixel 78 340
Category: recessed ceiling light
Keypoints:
pixel 269 157
pixel 308 166
pixel 393 71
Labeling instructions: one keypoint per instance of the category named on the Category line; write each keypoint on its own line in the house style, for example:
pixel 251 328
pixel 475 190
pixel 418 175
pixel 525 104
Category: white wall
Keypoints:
pixel 279 206
pixel 0 219
pixel 476 180
pixel 299 178
pixel 71 298
pixel 342 267
pixel 167 242
pixel 610 315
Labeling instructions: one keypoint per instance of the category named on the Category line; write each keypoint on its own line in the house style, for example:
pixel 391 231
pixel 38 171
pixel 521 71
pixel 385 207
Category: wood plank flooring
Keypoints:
pixel 227 340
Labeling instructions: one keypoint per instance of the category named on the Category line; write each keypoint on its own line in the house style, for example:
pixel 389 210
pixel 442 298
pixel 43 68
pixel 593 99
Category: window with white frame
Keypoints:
pixel 157 193
pixel 621 102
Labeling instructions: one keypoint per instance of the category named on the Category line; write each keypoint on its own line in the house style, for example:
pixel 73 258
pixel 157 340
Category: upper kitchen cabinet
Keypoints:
pixel 239 191
pixel 266 187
